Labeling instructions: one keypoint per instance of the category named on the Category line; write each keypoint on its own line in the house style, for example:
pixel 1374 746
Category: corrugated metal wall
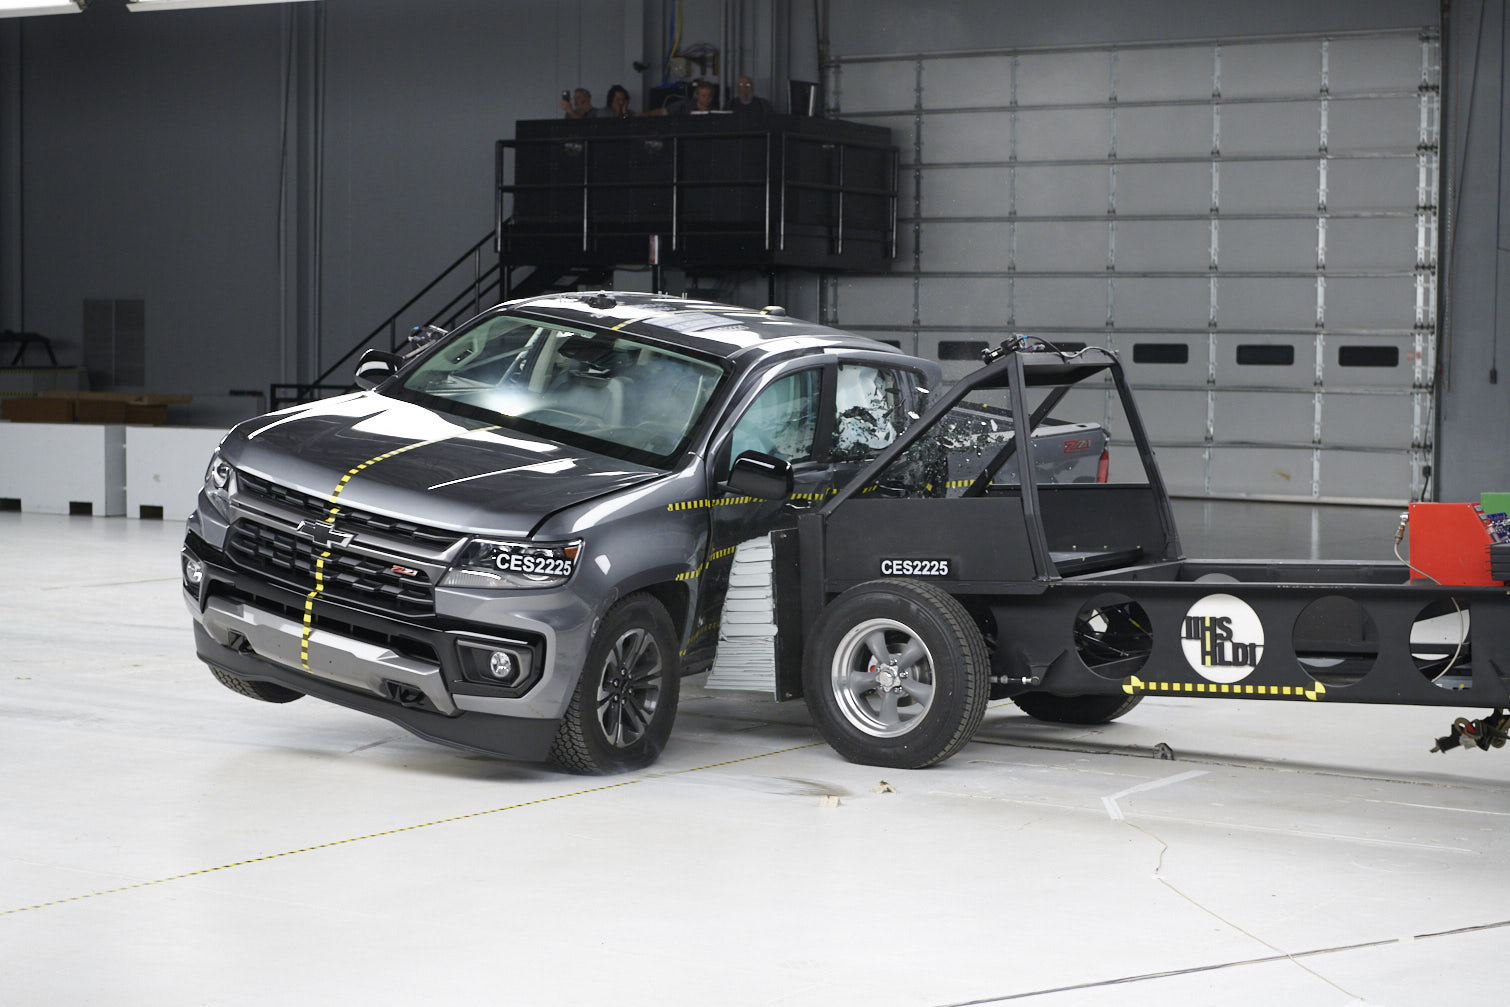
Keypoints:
pixel 1250 222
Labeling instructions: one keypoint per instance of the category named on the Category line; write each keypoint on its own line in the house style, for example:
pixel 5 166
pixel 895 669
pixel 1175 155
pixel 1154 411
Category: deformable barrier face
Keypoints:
pixel 1252 224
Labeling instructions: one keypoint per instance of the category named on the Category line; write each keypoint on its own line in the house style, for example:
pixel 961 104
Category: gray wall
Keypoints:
pixel 171 156
pixel 1474 413
pixel 149 155
pixel 1474 437
pixel 898 26
pixel 155 156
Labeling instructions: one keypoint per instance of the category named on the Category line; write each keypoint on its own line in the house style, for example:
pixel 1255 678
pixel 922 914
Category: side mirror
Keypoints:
pixel 375 367
pixel 757 474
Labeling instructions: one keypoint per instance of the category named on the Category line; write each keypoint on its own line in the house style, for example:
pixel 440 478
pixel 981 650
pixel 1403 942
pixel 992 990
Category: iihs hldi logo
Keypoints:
pixel 1218 649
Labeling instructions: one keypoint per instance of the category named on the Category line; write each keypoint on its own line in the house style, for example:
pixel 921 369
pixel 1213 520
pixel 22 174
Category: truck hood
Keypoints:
pixel 369 452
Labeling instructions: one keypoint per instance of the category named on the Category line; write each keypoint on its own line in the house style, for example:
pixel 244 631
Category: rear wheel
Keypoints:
pixel 1075 709
pixel 625 701
pixel 896 674
pixel 268 692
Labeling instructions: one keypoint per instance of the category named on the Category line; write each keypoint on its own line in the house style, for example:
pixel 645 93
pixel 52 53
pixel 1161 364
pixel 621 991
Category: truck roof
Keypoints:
pixel 727 330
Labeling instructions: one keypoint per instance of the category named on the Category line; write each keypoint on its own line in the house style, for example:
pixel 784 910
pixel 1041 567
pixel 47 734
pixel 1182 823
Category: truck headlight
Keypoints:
pixel 491 563
pixel 217 483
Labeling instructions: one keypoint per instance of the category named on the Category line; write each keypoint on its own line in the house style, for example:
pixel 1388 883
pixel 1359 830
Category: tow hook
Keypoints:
pixel 405 695
pixel 1485 733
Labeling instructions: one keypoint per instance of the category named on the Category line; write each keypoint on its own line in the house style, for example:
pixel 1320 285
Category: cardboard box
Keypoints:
pixel 149 413
pixel 92 410
pixel 32 409
pixel 114 407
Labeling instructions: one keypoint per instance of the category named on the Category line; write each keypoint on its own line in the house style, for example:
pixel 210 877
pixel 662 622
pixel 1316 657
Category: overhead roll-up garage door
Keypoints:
pixel 1251 224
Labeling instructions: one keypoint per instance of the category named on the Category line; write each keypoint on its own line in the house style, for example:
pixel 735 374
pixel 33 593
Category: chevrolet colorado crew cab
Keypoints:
pixel 518 537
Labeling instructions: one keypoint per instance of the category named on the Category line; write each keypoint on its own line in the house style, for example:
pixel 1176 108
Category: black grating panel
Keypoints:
pixel 406 643
pixel 345 576
pixel 350 520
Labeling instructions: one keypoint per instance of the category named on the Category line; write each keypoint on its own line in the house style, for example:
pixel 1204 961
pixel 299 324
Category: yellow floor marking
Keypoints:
pixel 394 832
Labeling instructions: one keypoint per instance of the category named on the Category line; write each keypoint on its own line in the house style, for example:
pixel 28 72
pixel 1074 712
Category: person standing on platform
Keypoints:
pixel 580 106
pixel 745 103
pixel 618 103
pixel 702 101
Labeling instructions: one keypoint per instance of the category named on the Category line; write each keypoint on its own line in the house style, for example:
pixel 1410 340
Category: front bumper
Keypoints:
pixel 510 737
pixel 408 671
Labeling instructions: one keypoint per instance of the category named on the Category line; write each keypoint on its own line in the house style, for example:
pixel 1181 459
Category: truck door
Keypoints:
pixel 788 418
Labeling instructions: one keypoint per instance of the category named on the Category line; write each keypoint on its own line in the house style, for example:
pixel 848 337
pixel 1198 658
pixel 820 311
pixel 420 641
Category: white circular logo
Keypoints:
pixel 1222 638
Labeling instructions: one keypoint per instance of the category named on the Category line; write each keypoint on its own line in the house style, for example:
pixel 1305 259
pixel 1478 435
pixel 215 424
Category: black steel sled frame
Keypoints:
pixel 1082 590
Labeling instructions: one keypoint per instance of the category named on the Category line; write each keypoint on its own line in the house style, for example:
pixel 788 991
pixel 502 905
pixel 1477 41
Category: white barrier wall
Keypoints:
pixel 106 471
pixel 165 468
pixel 64 468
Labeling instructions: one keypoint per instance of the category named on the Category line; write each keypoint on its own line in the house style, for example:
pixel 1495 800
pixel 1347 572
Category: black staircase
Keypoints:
pixel 476 288
pixel 705 194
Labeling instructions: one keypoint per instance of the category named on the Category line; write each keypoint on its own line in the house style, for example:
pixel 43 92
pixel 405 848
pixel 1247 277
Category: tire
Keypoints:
pixel 928 696
pixel 268 692
pixel 624 704
pixel 1094 709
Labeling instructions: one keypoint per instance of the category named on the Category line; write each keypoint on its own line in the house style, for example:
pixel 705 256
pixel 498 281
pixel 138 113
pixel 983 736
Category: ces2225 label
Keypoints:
pixel 914 568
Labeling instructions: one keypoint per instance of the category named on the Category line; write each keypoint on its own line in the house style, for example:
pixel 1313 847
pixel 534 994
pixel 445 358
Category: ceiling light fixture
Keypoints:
pixel 144 6
pixel 25 8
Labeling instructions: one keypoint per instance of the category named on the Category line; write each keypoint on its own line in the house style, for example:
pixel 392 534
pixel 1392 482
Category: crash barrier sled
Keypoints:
pixel 944 575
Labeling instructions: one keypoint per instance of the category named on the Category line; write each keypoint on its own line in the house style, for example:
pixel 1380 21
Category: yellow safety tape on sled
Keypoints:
pixel 1134 684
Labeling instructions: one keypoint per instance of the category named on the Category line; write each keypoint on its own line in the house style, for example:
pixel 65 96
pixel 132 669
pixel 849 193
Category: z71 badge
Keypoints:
pixel 914 568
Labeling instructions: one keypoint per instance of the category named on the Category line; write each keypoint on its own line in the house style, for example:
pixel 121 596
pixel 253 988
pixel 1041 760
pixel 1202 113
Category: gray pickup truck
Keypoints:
pixel 519 537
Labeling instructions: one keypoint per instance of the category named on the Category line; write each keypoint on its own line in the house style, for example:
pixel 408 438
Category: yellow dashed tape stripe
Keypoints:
pixel 331 510
pixel 733 501
pixel 392 832
pixel 721 502
pixel 309 609
pixel 698 635
pixel 1134 684
pixel 712 558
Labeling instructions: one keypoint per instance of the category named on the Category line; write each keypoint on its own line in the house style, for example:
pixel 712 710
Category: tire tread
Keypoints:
pixel 571 749
pixel 267 692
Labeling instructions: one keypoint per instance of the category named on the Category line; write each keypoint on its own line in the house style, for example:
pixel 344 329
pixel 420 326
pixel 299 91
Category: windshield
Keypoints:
pixel 604 391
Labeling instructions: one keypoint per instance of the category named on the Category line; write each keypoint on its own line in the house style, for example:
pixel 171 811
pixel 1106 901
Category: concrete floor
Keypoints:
pixel 164 841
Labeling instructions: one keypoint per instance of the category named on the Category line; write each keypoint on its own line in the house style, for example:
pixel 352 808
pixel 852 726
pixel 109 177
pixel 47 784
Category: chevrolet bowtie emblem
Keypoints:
pixel 324 535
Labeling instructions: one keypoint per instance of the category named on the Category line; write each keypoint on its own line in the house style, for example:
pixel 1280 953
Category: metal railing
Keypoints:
pixel 586 227
pixel 467 301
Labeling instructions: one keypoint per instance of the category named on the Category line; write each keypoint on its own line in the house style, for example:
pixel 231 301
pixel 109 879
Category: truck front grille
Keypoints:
pixel 351 520
pixel 345 576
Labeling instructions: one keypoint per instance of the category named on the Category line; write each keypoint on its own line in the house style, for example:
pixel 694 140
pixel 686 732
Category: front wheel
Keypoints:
pixel 1093 709
pixel 625 701
pixel 896 674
